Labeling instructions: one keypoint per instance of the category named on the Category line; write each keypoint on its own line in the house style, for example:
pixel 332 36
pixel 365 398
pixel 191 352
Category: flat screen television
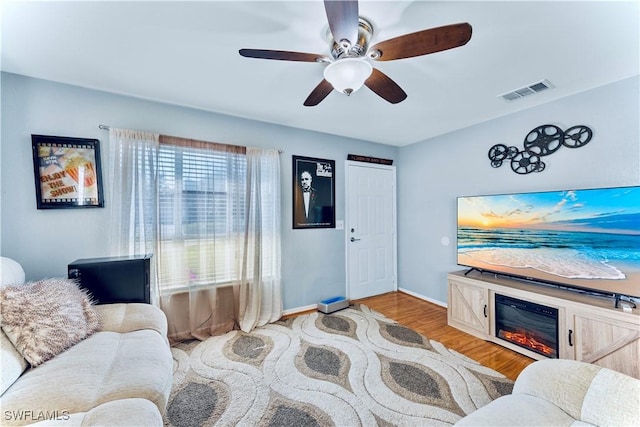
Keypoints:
pixel 582 239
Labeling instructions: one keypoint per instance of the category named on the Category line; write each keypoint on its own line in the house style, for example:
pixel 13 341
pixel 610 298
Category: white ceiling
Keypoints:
pixel 186 53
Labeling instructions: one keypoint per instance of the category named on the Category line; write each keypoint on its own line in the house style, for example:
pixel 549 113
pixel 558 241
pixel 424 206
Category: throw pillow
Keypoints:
pixel 45 318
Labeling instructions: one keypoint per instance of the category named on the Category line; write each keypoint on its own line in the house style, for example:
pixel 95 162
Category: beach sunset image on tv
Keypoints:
pixel 582 238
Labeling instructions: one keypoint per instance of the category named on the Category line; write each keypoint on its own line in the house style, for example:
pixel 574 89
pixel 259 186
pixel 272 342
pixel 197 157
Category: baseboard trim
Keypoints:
pixel 422 297
pixel 299 309
pixel 400 289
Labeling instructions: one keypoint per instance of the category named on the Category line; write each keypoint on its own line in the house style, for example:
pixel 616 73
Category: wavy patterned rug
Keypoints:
pixel 354 367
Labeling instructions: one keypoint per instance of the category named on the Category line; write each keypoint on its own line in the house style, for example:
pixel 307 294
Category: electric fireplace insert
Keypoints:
pixel 527 324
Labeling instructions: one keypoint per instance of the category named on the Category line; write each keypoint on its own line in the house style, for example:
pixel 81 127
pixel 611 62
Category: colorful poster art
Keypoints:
pixel 67 172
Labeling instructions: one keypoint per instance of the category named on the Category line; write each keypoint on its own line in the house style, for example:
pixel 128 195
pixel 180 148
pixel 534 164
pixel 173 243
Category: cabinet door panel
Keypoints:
pixel 604 342
pixel 467 307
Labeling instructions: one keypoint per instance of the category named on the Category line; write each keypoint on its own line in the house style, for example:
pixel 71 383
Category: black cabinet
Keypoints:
pixel 110 280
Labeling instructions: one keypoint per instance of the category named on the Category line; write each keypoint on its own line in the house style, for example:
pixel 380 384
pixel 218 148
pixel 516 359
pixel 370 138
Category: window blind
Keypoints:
pixel 201 209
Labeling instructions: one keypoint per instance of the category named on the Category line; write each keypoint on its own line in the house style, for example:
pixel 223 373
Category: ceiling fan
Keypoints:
pixel 348 68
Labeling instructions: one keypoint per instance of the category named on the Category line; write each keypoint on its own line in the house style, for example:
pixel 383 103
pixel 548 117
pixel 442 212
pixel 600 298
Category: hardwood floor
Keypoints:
pixel 430 320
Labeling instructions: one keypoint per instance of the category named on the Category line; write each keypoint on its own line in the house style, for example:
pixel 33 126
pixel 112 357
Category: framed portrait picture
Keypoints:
pixel 67 172
pixel 314 189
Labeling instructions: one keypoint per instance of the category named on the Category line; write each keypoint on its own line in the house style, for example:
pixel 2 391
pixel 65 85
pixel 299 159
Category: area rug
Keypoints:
pixel 354 367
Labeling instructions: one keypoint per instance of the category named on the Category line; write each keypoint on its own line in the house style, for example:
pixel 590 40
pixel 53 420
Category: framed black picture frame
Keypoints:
pixel 67 172
pixel 314 193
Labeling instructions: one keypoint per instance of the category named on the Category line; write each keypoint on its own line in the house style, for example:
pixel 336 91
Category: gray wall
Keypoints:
pixel 431 174
pixel 45 241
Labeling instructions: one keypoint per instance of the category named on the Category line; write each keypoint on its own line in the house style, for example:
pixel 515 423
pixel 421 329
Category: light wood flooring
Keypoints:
pixel 430 320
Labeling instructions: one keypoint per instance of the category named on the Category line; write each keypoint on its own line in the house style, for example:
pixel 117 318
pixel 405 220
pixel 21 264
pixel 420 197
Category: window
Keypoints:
pixel 201 197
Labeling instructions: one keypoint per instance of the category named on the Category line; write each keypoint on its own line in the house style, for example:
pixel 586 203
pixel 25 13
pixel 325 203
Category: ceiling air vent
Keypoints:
pixel 527 90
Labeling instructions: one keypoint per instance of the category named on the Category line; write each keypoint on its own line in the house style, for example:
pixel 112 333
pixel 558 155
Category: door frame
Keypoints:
pixel 394 243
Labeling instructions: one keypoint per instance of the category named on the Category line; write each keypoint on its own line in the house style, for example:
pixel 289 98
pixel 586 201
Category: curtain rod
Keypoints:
pixel 105 127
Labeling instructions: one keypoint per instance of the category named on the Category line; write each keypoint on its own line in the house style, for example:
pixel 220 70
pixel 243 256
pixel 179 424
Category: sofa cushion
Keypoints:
pixel 122 413
pixel 44 318
pixel 132 317
pixel 518 410
pixel 105 367
pixel 125 413
pixel 118 413
pixel 561 382
pixel 11 272
pixel 612 399
pixel 12 363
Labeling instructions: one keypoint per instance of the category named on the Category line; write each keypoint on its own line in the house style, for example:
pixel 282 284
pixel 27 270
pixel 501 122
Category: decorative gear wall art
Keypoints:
pixel 540 142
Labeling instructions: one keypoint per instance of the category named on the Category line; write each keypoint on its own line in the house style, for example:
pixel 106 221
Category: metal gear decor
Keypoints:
pixel 539 142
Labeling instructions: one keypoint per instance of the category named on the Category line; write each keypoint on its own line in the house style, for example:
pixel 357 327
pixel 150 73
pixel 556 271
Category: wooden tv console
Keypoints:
pixel 590 329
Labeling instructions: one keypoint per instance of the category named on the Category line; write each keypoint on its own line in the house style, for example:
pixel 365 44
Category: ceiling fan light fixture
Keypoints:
pixel 347 75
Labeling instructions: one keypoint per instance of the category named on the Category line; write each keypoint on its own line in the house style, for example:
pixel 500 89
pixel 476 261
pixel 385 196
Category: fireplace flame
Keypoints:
pixel 527 342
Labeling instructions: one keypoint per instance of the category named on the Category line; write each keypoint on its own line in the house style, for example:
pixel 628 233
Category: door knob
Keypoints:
pixel 353 239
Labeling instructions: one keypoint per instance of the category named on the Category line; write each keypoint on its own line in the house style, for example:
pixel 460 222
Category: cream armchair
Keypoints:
pixel 558 392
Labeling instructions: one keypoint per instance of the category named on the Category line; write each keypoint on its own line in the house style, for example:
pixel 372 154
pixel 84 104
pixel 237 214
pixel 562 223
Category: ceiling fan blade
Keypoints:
pixel 318 94
pixel 422 42
pixel 283 55
pixel 386 88
pixel 343 19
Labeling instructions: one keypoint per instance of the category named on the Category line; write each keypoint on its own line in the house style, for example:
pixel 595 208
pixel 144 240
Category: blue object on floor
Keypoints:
pixel 333 304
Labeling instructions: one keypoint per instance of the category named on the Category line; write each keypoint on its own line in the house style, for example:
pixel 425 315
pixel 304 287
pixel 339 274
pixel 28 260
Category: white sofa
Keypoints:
pixel 557 392
pixel 120 375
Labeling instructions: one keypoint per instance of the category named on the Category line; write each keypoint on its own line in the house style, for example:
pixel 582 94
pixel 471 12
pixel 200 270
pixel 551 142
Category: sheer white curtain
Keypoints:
pixel 260 285
pixel 210 213
pixel 133 196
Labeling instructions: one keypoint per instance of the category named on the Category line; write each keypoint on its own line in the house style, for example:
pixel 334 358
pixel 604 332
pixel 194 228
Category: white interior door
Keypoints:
pixel 370 229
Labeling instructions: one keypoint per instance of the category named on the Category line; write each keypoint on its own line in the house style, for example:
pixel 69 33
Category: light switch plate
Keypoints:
pixel 340 225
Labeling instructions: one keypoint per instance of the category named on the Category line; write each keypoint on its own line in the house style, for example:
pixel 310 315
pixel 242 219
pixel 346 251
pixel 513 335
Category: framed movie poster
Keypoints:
pixel 314 189
pixel 67 172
